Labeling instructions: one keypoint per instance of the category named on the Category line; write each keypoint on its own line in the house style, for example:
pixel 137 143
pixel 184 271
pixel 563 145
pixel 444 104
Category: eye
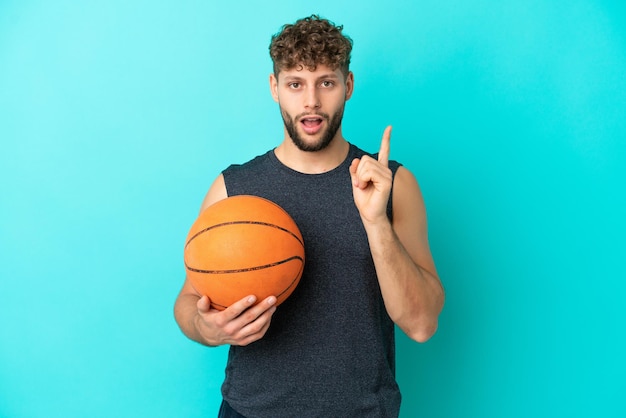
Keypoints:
pixel 327 83
pixel 294 85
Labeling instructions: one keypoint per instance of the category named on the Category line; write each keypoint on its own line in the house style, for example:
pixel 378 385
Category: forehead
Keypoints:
pixel 300 72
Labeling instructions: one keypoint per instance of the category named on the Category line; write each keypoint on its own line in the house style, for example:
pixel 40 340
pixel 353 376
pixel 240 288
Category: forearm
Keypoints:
pixel 242 323
pixel 413 296
pixel 186 315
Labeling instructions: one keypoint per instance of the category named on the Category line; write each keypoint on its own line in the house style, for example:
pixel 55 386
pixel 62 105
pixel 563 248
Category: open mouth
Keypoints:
pixel 311 124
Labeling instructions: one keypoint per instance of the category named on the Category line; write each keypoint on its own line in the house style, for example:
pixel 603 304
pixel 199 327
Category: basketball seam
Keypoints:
pixel 296 279
pixel 244 223
pixel 243 270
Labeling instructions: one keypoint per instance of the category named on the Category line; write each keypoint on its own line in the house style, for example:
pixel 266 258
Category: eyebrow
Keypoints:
pixel 321 77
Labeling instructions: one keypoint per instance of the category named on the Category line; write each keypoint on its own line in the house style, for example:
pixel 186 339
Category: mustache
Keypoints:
pixel 323 115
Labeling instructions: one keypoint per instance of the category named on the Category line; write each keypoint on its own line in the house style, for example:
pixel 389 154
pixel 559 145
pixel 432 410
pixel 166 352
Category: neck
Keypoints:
pixel 315 162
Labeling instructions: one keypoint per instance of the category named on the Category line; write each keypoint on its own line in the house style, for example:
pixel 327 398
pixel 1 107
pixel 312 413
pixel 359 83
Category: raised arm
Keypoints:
pixel 410 287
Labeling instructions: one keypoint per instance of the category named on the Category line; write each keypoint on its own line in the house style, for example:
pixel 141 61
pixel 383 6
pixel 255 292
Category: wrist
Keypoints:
pixel 378 225
pixel 199 327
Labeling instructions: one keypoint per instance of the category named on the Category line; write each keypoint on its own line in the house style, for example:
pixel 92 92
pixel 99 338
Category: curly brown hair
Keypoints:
pixel 310 42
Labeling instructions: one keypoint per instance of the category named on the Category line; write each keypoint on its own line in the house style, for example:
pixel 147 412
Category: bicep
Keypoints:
pixel 216 192
pixel 409 219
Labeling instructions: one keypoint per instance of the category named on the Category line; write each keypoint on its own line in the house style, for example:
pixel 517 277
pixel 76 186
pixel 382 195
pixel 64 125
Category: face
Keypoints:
pixel 311 104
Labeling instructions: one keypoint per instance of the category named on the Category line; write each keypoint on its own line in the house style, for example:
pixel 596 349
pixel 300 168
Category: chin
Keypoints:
pixel 312 145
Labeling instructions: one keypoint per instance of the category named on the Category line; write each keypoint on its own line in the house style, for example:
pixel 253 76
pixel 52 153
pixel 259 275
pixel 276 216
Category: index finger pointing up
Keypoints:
pixel 383 154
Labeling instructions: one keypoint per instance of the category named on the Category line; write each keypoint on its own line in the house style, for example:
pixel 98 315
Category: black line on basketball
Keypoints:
pixel 295 279
pixel 245 223
pixel 244 270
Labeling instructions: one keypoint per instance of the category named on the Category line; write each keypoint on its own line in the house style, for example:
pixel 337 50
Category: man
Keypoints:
pixel 328 350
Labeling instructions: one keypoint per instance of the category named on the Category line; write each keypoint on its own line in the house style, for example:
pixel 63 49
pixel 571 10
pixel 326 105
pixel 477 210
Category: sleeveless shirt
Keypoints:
pixel 330 348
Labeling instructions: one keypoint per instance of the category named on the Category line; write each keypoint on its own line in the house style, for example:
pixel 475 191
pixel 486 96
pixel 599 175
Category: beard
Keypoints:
pixel 333 124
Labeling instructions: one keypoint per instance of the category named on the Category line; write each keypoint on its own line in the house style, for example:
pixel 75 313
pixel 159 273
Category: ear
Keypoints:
pixel 274 87
pixel 349 85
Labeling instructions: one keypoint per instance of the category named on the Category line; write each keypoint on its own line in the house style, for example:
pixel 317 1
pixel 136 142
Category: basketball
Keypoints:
pixel 244 245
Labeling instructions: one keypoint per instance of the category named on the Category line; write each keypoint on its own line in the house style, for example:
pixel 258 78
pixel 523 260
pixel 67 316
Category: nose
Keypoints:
pixel 312 99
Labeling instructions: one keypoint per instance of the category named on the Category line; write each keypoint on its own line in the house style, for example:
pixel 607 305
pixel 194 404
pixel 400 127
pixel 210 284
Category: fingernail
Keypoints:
pixel 271 300
pixel 251 299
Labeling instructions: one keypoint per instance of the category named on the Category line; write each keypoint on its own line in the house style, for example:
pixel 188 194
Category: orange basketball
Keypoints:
pixel 244 245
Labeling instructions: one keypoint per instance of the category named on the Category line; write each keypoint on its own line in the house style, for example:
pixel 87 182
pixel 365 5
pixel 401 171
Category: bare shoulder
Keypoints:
pixel 216 192
pixel 409 219
pixel 407 196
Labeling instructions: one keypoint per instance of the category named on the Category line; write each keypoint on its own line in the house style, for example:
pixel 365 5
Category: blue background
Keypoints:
pixel 115 117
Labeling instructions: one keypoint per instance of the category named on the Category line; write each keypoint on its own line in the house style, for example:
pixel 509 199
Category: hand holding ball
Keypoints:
pixel 244 245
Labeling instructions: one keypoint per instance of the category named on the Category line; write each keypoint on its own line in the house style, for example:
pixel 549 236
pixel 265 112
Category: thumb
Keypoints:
pixel 353 168
pixel 204 304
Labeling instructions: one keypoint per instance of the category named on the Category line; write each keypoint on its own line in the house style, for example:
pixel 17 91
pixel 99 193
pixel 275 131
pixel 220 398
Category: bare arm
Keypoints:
pixel 240 324
pixel 406 271
pixel 411 289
